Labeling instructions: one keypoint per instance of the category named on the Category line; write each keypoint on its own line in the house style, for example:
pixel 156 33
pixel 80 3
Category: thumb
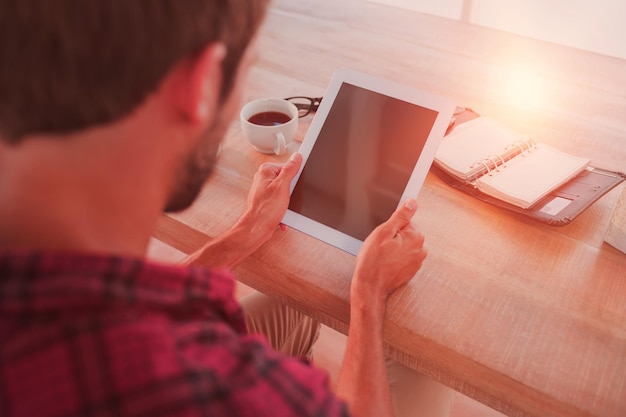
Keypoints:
pixel 403 214
pixel 291 167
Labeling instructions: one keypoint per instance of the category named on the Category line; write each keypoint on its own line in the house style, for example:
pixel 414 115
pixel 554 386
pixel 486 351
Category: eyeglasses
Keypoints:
pixel 305 105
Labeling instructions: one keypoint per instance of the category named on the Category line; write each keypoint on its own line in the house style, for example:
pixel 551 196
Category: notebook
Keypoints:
pixel 505 164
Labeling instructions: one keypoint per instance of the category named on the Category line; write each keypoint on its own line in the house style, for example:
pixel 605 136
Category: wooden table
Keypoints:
pixel 526 318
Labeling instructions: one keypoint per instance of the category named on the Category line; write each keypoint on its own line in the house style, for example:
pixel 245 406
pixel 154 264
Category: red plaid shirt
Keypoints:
pixel 88 335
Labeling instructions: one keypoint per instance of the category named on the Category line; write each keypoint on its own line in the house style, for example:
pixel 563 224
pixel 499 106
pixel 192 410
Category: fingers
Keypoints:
pixel 269 170
pixel 285 172
pixel 291 167
pixel 403 215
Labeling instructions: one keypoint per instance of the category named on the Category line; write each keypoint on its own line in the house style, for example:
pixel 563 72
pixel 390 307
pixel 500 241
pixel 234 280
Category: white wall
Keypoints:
pixel 593 25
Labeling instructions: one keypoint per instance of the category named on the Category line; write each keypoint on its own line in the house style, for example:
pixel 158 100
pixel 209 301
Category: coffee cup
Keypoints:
pixel 269 124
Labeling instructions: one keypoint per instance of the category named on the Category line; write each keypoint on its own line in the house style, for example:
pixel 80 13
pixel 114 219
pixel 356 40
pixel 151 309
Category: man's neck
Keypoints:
pixel 79 196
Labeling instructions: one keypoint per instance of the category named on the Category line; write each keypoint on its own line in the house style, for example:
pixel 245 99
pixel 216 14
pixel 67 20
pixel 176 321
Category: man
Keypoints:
pixel 112 111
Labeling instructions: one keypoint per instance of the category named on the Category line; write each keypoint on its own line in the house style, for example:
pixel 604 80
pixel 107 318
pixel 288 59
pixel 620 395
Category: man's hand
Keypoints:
pixel 390 256
pixel 268 198
pixel 265 207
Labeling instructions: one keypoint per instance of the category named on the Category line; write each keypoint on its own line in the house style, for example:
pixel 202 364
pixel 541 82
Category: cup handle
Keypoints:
pixel 281 145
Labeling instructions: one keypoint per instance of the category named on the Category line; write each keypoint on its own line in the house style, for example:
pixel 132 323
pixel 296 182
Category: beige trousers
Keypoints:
pixel 292 333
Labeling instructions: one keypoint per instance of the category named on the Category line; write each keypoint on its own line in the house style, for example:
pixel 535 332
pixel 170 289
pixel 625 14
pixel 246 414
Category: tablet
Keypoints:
pixel 369 148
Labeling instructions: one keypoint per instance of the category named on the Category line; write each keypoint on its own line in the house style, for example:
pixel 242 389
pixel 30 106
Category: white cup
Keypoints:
pixel 269 124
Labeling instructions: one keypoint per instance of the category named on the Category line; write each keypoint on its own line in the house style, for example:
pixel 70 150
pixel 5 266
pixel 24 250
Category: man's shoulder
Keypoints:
pixel 39 282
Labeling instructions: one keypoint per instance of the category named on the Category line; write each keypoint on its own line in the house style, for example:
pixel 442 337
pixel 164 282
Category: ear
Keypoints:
pixel 200 84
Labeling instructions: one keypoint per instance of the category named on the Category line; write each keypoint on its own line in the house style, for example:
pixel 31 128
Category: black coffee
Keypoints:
pixel 269 118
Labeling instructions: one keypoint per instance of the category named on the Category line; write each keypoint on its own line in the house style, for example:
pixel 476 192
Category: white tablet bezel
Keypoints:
pixel 445 109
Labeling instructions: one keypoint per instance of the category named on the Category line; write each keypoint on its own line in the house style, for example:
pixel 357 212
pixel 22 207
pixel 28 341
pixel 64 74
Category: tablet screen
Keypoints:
pixel 362 160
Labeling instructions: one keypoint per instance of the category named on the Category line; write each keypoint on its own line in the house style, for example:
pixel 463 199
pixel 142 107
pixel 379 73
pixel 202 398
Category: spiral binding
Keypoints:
pixel 483 163
pixel 526 145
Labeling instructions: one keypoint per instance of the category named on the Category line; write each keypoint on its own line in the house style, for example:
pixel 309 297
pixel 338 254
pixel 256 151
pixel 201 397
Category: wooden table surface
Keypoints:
pixel 527 318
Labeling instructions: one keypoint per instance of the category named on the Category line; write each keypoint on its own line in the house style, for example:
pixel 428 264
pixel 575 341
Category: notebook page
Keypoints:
pixel 471 142
pixel 528 178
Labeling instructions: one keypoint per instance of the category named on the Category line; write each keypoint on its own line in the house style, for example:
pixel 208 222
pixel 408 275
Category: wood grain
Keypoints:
pixel 527 318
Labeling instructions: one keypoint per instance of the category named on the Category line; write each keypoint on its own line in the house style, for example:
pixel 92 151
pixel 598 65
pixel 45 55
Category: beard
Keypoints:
pixel 196 168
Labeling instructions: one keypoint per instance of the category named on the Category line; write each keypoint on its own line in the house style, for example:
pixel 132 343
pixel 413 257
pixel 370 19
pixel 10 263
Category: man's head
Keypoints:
pixel 71 65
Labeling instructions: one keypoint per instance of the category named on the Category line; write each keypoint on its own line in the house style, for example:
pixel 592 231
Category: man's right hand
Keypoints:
pixel 390 256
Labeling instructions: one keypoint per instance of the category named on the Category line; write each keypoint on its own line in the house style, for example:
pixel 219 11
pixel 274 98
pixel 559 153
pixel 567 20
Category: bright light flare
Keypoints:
pixel 524 88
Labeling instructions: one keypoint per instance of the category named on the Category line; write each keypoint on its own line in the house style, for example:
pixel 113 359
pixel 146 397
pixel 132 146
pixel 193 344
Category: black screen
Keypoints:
pixel 362 160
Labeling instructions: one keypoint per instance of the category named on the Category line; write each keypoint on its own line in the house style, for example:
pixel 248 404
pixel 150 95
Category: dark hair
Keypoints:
pixel 66 65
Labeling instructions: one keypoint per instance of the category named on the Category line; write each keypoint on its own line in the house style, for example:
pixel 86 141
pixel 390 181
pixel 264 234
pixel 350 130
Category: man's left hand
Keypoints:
pixel 269 196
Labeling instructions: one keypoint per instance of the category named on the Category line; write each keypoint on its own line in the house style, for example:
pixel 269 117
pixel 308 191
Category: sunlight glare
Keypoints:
pixel 524 88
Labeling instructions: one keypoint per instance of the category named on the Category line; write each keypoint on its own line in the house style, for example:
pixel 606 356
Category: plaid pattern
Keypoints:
pixel 89 335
